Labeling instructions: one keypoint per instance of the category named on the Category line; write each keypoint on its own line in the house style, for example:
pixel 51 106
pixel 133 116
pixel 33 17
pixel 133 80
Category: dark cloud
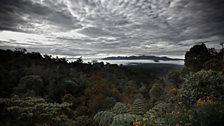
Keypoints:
pixel 15 13
pixel 9 17
pixel 114 26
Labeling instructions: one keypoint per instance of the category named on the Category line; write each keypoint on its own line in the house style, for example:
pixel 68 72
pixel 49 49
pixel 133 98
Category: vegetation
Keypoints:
pixel 33 111
pixel 201 85
pixel 120 114
pixel 44 91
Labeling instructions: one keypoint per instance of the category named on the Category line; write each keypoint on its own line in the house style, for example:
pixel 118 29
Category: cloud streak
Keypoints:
pixel 111 27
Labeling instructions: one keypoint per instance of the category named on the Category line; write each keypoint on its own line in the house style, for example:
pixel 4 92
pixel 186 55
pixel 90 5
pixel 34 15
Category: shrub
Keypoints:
pixel 156 115
pixel 124 119
pixel 202 84
pixel 30 85
pixel 156 92
pixel 120 108
pixel 175 77
pixel 210 114
pixel 138 107
pixel 32 111
pixel 104 118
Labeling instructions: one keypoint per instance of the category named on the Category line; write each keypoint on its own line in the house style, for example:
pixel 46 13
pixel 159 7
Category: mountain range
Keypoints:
pixel 142 57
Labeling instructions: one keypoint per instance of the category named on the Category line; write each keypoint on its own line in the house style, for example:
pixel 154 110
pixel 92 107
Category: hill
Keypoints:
pixel 142 57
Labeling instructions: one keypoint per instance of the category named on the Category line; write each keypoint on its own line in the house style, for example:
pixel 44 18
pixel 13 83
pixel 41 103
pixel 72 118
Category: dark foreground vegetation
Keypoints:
pixel 40 90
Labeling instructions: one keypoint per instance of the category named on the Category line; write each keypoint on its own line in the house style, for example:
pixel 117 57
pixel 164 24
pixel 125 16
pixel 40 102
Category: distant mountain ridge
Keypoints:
pixel 142 57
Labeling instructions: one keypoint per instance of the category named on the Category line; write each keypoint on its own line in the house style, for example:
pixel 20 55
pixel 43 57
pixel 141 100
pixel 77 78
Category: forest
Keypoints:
pixel 40 90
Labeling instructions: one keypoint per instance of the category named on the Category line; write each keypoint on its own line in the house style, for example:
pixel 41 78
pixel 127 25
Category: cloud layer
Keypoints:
pixel 96 28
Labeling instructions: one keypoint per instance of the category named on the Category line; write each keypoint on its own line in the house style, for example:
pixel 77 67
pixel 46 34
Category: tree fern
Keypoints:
pixel 32 111
pixel 124 119
pixel 120 108
pixel 104 118
pixel 156 115
pixel 138 107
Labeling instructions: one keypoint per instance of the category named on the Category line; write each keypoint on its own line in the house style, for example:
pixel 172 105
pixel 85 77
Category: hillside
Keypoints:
pixel 142 57
pixel 41 90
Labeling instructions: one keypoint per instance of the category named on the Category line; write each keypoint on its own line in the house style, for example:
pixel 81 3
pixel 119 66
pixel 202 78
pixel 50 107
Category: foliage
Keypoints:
pixel 83 121
pixel 202 84
pixel 176 78
pixel 214 64
pixel 200 57
pixel 210 114
pixel 120 108
pixel 32 111
pixel 138 107
pixel 156 91
pixel 196 57
pixel 68 98
pixel 179 114
pixel 192 96
pixel 30 85
pixel 104 118
pixel 156 115
pixel 120 116
pixel 124 119
pixel 206 114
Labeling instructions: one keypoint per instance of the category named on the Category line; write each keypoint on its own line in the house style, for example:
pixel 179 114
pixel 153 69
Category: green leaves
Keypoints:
pixel 156 115
pixel 33 110
pixel 30 85
pixel 200 57
pixel 196 57
pixel 138 107
pixel 124 119
pixel 120 108
pixel 202 84
pixel 104 118
pixel 120 115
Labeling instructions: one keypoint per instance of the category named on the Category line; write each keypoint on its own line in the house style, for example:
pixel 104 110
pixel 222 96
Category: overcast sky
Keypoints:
pixel 100 28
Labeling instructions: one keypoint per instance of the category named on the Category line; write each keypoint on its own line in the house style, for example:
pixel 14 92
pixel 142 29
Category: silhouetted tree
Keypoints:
pixel 196 57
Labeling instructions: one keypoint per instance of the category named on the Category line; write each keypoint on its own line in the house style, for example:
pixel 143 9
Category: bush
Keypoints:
pixel 124 119
pixel 104 118
pixel 156 92
pixel 156 115
pixel 32 111
pixel 175 78
pixel 210 114
pixel 202 84
pixel 206 114
pixel 30 85
pixel 120 115
pixel 138 107
pixel 120 108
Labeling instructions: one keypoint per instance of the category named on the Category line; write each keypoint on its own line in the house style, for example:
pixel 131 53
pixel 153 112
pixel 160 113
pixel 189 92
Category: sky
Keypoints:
pixel 101 28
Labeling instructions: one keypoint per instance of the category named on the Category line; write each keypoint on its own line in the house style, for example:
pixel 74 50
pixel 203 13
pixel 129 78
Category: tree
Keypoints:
pixel 104 118
pixel 28 111
pixel 21 50
pixel 30 85
pixel 120 108
pixel 202 84
pixel 156 91
pixel 124 119
pixel 175 77
pixel 138 107
pixel 79 60
pixel 196 57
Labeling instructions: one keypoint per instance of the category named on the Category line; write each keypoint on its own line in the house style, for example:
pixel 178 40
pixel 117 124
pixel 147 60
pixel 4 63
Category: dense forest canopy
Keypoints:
pixel 41 90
